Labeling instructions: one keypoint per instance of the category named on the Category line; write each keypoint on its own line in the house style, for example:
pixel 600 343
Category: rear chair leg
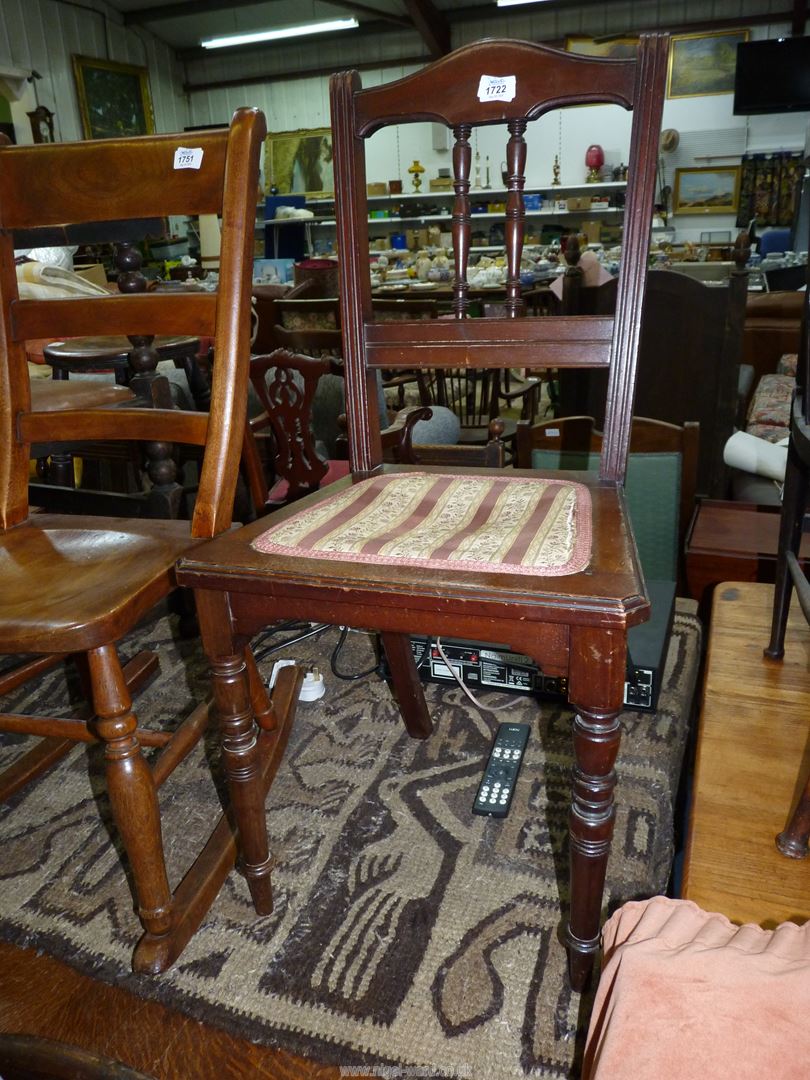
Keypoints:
pixel 407 685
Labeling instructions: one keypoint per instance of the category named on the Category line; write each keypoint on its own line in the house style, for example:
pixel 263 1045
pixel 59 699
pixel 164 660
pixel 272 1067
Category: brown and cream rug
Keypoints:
pixel 406 931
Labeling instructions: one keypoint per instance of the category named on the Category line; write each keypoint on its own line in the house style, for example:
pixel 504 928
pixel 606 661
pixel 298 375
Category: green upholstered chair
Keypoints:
pixel 660 484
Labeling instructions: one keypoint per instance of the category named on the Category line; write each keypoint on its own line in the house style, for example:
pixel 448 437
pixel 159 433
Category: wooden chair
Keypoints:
pixel 286 384
pixel 283 430
pixel 661 479
pixel 579 298
pixel 393 309
pixel 78 584
pixel 793 840
pixel 406 550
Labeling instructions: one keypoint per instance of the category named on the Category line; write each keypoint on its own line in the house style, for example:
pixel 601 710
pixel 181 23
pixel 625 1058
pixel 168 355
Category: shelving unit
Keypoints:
pixel 430 200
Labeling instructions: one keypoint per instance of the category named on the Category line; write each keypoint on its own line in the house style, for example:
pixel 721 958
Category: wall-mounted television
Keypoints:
pixel 772 76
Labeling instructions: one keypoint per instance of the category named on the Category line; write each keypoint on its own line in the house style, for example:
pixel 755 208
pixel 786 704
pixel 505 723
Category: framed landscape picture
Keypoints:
pixel 300 162
pixel 623 48
pixel 114 98
pixel 703 63
pixel 707 191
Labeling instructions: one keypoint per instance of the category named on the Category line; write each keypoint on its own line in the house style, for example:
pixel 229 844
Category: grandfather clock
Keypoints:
pixel 41 124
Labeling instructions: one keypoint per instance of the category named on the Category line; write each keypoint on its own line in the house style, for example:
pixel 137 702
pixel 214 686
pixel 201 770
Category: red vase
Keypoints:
pixel 594 160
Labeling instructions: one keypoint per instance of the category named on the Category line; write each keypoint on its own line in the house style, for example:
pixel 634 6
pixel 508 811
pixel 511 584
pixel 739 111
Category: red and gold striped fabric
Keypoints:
pixel 518 525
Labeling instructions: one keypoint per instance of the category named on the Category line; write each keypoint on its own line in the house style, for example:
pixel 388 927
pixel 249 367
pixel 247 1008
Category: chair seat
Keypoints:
pixel 433 519
pixel 69 559
pixel 48 395
pixel 233 561
pixel 280 490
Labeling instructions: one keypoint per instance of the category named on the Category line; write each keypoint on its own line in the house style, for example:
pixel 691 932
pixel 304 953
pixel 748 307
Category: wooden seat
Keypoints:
pixel 544 564
pixel 78 584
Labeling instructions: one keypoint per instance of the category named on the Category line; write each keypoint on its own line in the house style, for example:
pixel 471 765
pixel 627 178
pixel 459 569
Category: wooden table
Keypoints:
pixel 732 541
pixel 536 296
pixel 91 354
pixel 753 755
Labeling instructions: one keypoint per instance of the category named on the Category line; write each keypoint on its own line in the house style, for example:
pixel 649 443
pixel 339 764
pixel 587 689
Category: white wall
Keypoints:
pixel 43 35
pixel 303 103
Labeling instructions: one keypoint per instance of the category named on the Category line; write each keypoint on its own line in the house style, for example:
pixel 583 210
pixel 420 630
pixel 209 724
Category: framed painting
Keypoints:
pixel 701 64
pixel 622 48
pixel 299 162
pixel 707 190
pixel 114 98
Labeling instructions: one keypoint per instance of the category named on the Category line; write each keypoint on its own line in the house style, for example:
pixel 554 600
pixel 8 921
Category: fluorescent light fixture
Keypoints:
pixel 514 3
pixel 282 32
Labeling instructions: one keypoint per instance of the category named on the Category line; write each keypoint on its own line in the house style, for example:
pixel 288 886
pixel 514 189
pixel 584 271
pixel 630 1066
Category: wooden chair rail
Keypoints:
pixel 52 185
pixel 135 315
pixel 142 424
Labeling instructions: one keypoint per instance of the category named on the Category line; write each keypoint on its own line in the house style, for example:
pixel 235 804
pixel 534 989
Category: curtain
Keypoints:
pixel 769 188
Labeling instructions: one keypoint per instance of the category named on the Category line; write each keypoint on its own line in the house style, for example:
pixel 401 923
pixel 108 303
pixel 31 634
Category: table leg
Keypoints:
pixel 596 691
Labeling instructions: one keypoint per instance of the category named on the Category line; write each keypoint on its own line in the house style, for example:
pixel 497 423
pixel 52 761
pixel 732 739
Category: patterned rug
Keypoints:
pixel 406 931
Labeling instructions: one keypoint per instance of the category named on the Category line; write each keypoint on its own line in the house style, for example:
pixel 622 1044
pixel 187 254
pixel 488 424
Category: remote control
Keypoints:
pixel 494 795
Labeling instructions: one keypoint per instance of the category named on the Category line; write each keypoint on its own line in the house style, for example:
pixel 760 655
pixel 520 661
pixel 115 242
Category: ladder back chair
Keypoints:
pixel 76 584
pixel 543 563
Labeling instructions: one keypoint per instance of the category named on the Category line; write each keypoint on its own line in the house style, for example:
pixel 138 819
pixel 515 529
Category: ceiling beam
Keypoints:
pixel 301 73
pixel 362 9
pixel 179 10
pixel 433 27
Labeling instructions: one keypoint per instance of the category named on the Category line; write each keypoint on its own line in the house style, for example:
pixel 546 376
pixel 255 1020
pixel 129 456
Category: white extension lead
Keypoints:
pixel 312 687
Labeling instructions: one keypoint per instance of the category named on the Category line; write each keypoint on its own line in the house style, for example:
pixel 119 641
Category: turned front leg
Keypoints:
pixel 241 754
pixel 596 691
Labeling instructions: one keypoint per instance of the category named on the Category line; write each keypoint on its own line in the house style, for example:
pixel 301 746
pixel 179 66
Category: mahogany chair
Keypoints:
pixel 545 564
pixel 285 384
pixel 77 584
pixel 793 840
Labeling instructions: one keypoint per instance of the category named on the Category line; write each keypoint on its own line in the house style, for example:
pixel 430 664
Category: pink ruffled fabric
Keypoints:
pixel 688 995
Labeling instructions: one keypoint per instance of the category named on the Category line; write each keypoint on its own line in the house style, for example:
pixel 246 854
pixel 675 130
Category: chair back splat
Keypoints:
pixel 448 93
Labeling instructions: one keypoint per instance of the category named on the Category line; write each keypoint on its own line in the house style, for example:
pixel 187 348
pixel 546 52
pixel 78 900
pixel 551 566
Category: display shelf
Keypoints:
pixel 481 193
pixel 435 199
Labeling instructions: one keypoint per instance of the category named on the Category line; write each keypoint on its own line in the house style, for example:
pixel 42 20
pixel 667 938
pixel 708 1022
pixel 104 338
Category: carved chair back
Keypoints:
pixel 456 93
pixel 285 383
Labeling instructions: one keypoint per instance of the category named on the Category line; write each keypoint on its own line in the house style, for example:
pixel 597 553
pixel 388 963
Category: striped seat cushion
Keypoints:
pixel 517 525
